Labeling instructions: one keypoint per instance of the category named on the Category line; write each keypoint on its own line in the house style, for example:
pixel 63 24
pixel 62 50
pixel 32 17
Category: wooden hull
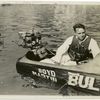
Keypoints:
pixel 82 77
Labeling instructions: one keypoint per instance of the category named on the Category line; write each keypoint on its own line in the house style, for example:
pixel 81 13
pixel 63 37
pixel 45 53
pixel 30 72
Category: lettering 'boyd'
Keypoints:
pixel 47 72
pixel 75 79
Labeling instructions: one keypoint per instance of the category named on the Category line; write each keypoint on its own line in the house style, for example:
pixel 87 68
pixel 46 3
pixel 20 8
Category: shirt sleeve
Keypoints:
pixel 63 49
pixel 93 46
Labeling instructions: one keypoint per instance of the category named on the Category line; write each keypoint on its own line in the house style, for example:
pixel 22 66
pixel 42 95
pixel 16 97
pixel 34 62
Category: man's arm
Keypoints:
pixel 93 46
pixel 62 49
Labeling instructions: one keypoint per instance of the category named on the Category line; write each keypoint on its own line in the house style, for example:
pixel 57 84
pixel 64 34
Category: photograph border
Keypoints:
pixel 39 97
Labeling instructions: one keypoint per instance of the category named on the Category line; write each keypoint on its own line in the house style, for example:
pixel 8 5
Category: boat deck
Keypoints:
pixel 85 68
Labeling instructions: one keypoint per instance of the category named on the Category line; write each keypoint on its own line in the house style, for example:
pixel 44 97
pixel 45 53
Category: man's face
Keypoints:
pixel 80 33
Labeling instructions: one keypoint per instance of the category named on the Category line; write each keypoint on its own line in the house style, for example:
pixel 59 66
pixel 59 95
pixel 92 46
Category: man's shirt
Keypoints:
pixel 62 50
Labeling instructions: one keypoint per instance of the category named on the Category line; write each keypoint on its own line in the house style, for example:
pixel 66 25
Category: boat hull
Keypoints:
pixel 76 77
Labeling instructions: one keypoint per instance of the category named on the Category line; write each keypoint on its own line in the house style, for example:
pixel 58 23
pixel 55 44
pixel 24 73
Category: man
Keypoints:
pixel 77 49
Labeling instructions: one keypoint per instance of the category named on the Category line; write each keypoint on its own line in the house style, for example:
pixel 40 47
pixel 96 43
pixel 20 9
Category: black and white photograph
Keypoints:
pixel 50 48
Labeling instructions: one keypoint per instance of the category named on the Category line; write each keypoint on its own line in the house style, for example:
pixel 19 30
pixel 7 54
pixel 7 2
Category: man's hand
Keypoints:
pixel 83 62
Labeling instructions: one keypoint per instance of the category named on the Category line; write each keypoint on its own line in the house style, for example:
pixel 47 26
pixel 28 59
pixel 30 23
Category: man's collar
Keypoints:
pixel 83 39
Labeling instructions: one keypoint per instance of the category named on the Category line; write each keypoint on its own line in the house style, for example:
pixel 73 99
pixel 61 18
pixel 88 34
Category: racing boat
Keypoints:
pixel 84 77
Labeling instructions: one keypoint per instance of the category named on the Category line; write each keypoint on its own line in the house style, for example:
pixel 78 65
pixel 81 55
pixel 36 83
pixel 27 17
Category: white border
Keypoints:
pixel 40 97
pixel 86 2
pixel 47 97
